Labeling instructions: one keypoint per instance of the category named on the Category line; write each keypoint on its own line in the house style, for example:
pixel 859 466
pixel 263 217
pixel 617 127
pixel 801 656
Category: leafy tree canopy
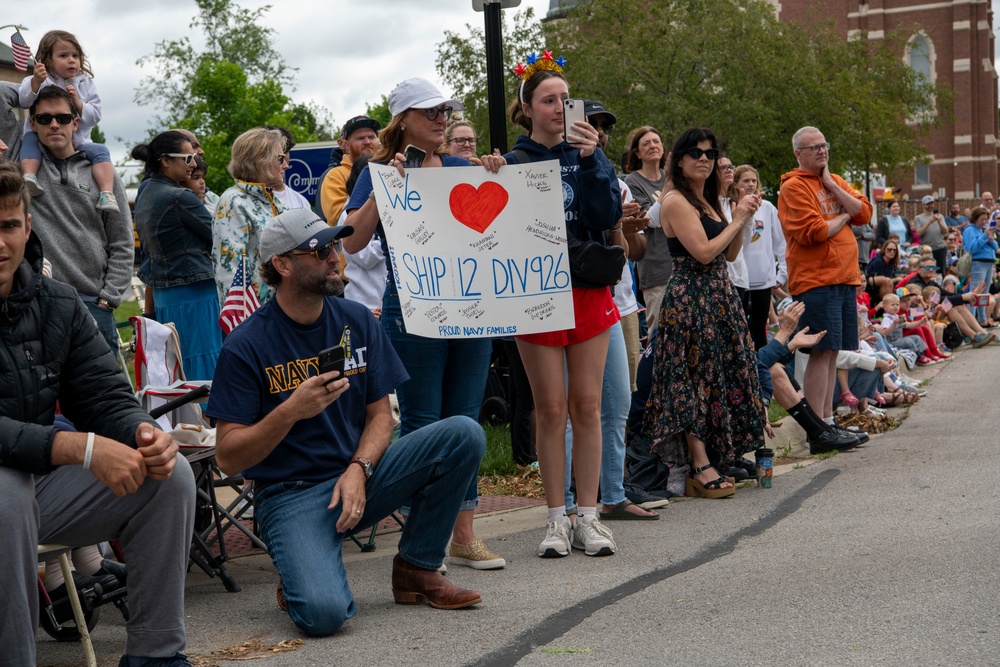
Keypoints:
pixel 237 82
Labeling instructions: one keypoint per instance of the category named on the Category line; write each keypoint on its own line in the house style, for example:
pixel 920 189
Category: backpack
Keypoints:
pixel 952 335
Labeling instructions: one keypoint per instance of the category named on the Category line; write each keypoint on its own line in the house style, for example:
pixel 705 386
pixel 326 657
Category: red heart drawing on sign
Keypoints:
pixel 477 209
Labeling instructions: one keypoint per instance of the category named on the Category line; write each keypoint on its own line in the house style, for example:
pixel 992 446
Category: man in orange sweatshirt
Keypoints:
pixel 816 209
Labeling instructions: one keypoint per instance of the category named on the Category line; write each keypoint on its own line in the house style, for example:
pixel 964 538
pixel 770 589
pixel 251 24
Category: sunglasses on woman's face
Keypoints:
pixel 696 153
pixel 188 157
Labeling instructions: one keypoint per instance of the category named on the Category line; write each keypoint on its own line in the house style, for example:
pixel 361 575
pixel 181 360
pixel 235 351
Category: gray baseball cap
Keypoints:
pixel 297 229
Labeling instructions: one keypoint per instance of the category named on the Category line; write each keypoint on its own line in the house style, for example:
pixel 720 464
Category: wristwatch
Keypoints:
pixel 365 464
pixel 104 303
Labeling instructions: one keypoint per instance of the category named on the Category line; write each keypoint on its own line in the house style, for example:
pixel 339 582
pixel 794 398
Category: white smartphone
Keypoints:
pixel 572 112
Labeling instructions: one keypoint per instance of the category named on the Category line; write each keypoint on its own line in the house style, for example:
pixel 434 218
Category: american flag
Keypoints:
pixel 241 301
pixel 21 52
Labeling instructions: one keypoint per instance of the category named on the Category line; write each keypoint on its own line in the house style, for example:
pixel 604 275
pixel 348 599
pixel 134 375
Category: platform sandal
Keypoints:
pixel 713 489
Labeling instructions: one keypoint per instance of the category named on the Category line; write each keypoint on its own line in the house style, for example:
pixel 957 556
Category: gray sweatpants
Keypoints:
pixel 70 506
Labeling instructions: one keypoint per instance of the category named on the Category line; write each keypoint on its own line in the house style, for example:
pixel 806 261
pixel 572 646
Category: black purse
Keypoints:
pixel 591 262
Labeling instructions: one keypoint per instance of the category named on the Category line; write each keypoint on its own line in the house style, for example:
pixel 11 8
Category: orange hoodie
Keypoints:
pixel 804 207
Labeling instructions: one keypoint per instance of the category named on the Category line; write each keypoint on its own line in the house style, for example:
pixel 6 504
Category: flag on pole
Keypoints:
pixel 241 300
pixel 22 54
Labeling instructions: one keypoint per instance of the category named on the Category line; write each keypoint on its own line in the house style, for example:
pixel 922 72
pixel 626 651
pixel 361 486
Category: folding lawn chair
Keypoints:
pixel 172 401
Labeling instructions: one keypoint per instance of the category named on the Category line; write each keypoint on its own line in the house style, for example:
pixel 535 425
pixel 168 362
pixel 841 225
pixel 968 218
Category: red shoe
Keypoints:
pixel 925 361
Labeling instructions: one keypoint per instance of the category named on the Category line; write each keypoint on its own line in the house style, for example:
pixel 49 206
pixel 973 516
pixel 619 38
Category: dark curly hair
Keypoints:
pixel 713 185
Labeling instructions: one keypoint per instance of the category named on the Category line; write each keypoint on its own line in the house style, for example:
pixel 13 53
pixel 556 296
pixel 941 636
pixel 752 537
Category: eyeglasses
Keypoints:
pixel 818 148
pixel 929 267
pixel 282 159
pixel 888 250
pixel 463 141
pixel 726 167
pixel 696 153
pixel 46 118
pixel 322 252
pixel 434 112
pixel 188 157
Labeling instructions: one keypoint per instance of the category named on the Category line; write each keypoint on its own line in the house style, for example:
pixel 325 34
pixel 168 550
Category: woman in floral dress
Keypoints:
pixel 704 407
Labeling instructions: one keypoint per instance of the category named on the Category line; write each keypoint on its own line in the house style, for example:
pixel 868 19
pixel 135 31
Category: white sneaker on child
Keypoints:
pixel 593 537
pixel 34 187
pixel 107 202
pixel 556 542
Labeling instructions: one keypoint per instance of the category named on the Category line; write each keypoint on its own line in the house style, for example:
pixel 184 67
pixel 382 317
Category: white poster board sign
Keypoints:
pixel 476 254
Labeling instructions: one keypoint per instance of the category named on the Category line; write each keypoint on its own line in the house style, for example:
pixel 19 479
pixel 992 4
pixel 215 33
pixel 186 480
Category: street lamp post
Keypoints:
pixel 496 100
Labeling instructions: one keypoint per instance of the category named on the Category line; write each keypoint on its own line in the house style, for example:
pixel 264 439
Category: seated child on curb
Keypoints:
pixel 892 324
pixel 915 323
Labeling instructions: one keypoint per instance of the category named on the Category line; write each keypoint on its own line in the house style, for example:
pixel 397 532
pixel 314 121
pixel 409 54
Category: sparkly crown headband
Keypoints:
pixel 535 65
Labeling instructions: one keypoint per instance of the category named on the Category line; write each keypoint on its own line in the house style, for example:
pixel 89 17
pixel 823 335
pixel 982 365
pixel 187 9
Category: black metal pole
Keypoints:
pixel 495 94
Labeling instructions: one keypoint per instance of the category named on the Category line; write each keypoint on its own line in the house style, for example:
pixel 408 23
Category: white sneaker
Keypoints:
pixel 35 188
pixel 556 542
pixel 593 537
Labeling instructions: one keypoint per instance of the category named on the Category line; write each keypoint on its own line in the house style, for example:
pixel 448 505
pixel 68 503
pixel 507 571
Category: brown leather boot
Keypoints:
pixel 413 585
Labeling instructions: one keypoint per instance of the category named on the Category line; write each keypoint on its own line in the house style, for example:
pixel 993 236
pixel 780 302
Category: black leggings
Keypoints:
pixel 760 308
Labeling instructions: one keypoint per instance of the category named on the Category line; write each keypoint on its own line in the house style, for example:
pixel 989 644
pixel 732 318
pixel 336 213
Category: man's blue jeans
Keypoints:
pixel 429 469
pixel 615 397
pixel 447 377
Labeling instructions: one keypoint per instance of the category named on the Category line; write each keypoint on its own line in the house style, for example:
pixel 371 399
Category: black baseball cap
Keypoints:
pixel 595 108
pixel 357 123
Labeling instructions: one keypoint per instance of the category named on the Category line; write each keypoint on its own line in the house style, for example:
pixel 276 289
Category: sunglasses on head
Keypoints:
pixel 696 153
pixel 46 118
pixel 322 252
pixel 188 157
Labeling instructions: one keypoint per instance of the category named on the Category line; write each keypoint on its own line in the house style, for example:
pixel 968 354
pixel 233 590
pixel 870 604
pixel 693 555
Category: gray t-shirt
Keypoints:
pixel 932 236
pixel 657 265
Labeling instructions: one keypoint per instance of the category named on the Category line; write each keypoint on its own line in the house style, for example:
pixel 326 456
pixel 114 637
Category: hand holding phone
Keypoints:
pixel 332 359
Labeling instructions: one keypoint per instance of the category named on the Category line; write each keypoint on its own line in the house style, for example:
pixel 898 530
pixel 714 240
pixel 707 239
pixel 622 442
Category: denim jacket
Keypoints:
pixel 175 230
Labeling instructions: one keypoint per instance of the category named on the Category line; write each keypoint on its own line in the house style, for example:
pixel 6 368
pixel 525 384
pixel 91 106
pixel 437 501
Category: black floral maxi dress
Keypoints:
pixel 704 367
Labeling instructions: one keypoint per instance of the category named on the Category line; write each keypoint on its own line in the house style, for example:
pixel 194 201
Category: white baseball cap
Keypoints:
pixel 297 228
pixel 418 94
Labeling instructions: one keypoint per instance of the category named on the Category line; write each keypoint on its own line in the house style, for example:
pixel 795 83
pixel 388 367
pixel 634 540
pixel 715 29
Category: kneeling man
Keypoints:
pixel 317 444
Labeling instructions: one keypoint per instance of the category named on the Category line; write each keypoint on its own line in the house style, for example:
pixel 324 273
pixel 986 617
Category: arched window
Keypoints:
pixel 920 56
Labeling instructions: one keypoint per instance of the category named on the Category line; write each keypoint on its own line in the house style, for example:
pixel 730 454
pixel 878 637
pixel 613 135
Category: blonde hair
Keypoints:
pixel 47 47
pixel 734 190
pixel 926 251
pixel 928 291
pixel 253 154
pixel 890 298
pixel 913 263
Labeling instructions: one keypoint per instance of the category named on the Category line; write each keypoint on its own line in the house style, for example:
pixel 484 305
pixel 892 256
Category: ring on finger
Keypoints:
pixel 358 512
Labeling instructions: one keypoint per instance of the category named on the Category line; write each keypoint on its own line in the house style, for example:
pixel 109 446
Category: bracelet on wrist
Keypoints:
pixel 89 453
pixel 616 229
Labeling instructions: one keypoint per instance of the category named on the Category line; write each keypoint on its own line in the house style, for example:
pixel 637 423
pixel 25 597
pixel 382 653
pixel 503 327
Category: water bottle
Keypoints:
pixel 765 467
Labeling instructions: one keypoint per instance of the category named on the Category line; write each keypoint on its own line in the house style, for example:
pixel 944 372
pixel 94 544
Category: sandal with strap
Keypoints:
pixel 847 398
pixel 713 489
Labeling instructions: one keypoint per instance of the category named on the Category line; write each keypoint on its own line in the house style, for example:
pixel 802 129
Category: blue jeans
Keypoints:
pixel 106 324
pixel 30 150
pixel 980 272
pixel 615 397
pixel 429 469
pixel 447 377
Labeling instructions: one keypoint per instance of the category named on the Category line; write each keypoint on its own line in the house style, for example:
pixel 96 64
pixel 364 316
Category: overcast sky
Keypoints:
pixel 348 52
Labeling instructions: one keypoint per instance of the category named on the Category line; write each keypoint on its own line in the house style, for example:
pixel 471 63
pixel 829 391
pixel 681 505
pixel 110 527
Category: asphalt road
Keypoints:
pixel 882 556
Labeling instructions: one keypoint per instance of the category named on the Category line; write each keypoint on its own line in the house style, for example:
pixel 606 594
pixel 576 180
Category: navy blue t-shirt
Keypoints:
pixel 265 358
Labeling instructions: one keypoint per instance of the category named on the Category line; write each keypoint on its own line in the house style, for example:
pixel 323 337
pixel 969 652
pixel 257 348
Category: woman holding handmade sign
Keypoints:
pixel 704 406
pixel 592 205
pixel 447 376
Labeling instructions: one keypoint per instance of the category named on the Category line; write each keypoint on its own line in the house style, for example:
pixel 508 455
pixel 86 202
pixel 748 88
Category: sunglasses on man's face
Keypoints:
pixel 46 118
pixel 696 153
pixel 929 267
pixel 322 252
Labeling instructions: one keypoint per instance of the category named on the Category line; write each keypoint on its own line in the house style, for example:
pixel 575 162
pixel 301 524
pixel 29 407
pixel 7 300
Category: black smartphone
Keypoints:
pixel 332 359
pixel 414 157
pixel 935 211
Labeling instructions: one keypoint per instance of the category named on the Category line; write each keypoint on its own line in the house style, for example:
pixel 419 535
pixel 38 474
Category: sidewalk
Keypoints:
pixel 640 603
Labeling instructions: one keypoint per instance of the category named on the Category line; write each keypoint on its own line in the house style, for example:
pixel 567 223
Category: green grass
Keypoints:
pixel 775 412
pixel 498 459
pixel 126 310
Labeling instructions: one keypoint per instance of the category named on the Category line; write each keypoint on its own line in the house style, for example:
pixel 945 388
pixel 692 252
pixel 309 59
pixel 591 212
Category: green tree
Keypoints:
pixel 97 136
pixel 461 63
pixel 236 83
pixel 380 111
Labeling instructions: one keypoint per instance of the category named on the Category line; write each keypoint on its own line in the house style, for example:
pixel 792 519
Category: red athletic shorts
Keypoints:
pixel 595 311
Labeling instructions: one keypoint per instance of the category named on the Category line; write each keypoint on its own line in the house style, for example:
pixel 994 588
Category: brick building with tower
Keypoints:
pixel 951 43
